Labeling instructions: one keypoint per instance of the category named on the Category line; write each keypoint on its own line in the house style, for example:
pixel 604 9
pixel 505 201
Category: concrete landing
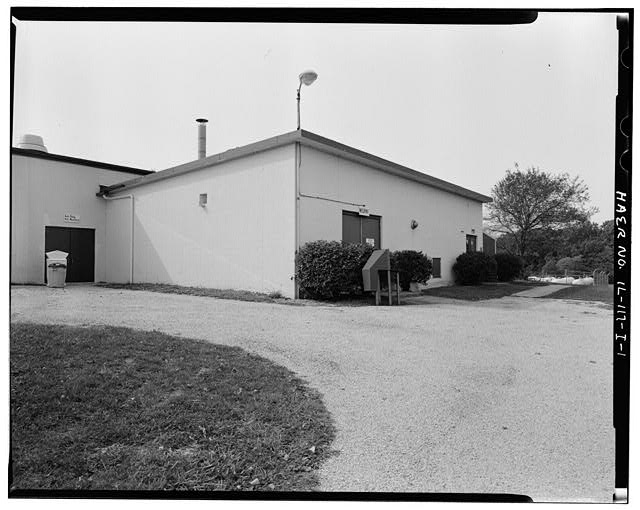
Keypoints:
pixel 542 291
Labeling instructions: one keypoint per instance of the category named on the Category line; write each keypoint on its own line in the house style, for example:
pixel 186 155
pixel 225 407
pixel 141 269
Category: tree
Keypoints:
pixel 590 241
pixel 526 203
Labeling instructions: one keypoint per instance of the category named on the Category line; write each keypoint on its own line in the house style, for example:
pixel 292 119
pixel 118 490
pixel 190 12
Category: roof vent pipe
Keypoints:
pixel 202 138
pixel 33 142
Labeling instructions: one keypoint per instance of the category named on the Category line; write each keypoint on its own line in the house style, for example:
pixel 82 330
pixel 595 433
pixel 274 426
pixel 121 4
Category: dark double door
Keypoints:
pixel 79 243
pixel 361 229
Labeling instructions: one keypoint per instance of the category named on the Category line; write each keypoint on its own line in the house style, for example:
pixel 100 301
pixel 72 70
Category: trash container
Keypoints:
pixel 56 268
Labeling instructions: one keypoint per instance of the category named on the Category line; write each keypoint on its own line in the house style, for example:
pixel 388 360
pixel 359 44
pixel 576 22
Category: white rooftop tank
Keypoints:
pixel 33 142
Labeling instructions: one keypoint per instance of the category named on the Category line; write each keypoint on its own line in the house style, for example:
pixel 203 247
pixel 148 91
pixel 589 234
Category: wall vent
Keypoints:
pixel 32 142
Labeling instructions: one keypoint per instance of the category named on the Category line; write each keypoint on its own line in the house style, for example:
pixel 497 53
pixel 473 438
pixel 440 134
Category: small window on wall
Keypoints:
pixel 436 273
pixel 471 243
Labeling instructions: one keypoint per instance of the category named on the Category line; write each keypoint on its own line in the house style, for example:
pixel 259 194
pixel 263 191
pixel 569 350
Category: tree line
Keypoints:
pixel 545 219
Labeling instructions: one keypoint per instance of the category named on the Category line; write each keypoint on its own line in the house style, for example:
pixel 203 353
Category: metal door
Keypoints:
pixel 79 243
pixel 361 229
pixel 371 231
pixel 351 228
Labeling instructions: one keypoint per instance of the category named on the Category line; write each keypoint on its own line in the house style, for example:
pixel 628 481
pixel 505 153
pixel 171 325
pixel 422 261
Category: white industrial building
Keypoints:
pixel 235 219
pixel 54 206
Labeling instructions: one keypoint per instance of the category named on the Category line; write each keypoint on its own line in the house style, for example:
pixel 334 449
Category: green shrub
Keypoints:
pixel 509 266
pixel 330 269
pixel 473 268
pixel 570 264
pixel 413 266
pixel 550 267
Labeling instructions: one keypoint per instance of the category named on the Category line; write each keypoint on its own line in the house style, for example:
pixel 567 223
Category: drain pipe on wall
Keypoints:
pixel 131 239
pixel 298 158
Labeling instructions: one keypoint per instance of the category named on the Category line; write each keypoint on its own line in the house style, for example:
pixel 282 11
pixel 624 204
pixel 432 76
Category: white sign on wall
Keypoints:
pixel 370 241
pixel 363 211
pixel 72 218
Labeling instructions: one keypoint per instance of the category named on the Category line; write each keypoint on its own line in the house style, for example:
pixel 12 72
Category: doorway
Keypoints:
pixel 361 229
pixel 79 243
pixel 471 243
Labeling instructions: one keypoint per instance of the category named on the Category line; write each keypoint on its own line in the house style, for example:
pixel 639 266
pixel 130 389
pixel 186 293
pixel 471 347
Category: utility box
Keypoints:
pixel 379 260
pixel 379 266
pixel 56 268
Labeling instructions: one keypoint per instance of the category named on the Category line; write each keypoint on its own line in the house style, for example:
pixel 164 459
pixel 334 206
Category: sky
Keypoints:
pixel 461 103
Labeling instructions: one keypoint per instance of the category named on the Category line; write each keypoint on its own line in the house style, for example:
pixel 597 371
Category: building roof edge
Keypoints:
pixel 309 139
pixel 78 161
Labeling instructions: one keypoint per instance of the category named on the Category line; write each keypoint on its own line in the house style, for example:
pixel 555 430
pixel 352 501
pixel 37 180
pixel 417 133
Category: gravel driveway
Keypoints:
pixel 510 395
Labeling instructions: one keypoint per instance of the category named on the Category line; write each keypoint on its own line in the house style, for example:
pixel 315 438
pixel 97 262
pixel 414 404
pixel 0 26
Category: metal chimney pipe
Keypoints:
pixel 202 138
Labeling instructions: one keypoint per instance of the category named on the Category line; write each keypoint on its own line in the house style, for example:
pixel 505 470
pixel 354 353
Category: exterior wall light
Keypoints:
pixel 414 224
pixel 202 202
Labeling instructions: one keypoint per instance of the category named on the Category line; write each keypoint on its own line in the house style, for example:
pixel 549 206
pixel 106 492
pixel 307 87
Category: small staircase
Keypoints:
pixel 492 276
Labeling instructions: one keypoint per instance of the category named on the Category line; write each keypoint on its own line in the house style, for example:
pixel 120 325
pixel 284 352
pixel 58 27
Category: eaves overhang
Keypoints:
pixel 331 146
pixel 209 161
pixel 31 153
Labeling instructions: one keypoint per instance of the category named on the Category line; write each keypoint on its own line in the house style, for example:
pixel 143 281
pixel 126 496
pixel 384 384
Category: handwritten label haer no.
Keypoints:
pixel 620 299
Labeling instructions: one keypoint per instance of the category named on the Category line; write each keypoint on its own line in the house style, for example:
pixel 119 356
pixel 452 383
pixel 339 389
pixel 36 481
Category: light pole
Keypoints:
pixel 308 77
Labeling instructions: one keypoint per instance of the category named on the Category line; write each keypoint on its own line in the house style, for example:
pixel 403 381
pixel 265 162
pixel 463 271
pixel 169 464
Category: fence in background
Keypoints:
pixel 600 277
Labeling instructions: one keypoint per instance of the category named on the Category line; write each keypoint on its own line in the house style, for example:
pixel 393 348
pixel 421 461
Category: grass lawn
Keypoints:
pixel 115 408
pixel 480 292
pixel 239 295
pixel 602 294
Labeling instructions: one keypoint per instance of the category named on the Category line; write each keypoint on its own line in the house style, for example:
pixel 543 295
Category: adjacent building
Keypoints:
pixel 54 207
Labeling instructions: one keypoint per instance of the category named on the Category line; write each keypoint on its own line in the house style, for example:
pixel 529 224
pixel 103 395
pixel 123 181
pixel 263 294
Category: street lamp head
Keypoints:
pixel 308 77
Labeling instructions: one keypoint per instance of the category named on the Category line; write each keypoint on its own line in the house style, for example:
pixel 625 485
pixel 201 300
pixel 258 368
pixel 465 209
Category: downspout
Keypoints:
pixel 297 212
pixel 132 223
